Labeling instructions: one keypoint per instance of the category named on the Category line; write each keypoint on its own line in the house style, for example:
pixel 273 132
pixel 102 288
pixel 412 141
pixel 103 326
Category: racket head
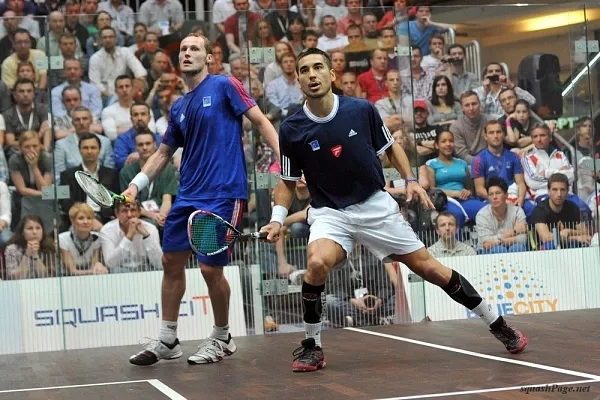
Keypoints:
pixel 209 234
pixel 94 189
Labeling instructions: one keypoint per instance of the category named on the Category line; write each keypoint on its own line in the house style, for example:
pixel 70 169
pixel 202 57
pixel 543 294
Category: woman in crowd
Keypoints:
pixel 518 129
pixel 296 28
pixel 217 66
pixel 80 247
pixel 263 37
pixel 31 168
pixel 29 253
pixel 451 175
pixel 93 44
pixel 273 70
pixel 443 108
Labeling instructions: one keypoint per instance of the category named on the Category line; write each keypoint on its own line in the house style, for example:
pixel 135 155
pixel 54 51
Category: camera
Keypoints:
pixel 455 60
pixel 494 78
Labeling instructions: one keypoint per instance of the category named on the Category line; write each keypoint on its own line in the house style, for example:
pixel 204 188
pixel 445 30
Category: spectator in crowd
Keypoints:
pixel 389 41
pixel 217 66
pixel 350 84
pixel 26 7
pixel 123 18
pixel 444 109
pixel 501 226
pixel 158 197
pixel 5 213
pixel 4 174
pixel 584 138
pixel 26 70
pixel 89 150
pixel 544 161
pixel 56 23
pixel 110 62
pixel 353 18
pixel 433 60
pixel 221 10
pixel 310 39
pixel 497 161
pixel 67 152
pixel 425 134
pixel 454 68
pixel 396 18
pixel 338 64
pixel 451 175
pixel 72 24
pixel 284 92
pixel 63 126
pixel 232 25
pixel 421 80
pixel 10 25
pixel 273 114
pixel 334 8
pixel 139 34
pixel 369 28
pixel 80 246
pixel 518 128
pixel 68 47
pixel 331 40
pixel 26 115
pixel 308 12
pixel 584 158
pixel 273 70
pixel 280 18
pixel 358 54
pixel 263 7
pixel 165 99
pixel 31 167
pixel 422 28
pixel 296 29
pixel 22 53
pixel 29 253
pixel 162 16
pixel 90 94
pixel 447 244
pixel 469 128
pixel 148 51
pixel 558 221
pixel 15 10
pixel 116 118
pixel 89 11
pixel 125 147
pixel 159 65
pixel 396 109
pixel 494 79
pixel 5 103
pixel 372 83
pixel 130 244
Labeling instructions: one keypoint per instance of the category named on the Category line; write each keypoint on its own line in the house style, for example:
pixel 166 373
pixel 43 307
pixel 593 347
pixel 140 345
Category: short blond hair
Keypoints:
pixel 28 135
pixel 207 43
pixel 80 208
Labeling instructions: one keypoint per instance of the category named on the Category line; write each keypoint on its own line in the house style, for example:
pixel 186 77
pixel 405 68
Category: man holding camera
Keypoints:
pixel 494 80
pixel 453 66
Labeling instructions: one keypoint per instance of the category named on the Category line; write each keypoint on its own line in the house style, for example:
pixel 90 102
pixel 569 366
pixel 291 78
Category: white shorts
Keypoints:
pixel 376 223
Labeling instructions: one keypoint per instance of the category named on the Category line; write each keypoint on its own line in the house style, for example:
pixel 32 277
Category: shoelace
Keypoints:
pixel 304 353
pixel 209 346
pixel 149 343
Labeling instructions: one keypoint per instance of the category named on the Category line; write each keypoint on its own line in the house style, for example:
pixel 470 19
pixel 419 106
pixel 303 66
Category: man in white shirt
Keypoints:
pixel 123 18
pixel 222 9
pixel 333 8
pixel 331 40
pixel 130 244
pixel 162 16
pixel 111 61
pixel 115 118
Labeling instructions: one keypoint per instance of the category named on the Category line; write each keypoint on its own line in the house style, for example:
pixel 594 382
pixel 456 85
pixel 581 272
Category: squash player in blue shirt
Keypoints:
pixel 336 142
pixel 207 123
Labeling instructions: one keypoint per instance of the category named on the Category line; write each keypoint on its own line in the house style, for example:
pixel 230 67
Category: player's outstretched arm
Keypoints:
pixel 284 195
pixel 265 127
pixel 155 164
pixel 399 160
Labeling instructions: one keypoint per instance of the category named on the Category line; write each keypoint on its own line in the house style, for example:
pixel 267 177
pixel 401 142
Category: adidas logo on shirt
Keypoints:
pixel 352 133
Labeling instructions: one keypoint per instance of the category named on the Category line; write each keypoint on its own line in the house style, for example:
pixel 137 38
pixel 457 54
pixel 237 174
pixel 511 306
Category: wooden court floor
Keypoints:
pixel 456 360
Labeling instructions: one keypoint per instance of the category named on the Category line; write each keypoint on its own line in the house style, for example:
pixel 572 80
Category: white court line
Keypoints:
pixel 71 386
pixel 167 391
pixel 503 389
pixel 474 354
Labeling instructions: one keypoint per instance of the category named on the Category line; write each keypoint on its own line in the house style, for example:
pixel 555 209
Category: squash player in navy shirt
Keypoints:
pixel 336 142
pixel 207 123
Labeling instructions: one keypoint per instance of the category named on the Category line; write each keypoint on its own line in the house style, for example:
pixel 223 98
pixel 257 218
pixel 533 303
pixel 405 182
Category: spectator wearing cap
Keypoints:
pixel 424 132
pixel 372 83
pixel 469 128
pixel 501 226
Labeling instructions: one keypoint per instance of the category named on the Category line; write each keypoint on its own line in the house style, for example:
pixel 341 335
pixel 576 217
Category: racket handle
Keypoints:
pixel 262 235
pixel 126 199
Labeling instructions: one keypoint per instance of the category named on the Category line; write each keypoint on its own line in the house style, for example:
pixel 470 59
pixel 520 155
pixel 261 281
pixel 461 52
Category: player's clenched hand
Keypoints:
pixel 413 189
pixel 273 229
pixel 131 193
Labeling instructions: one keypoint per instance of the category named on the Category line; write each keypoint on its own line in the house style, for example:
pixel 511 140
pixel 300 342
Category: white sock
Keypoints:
pixel 168 332
pixel 313 331
pixel 221 333
pixel 484 311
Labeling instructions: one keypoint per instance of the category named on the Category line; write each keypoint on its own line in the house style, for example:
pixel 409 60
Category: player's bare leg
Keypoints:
pixel 173 288
pixel 219 344
pixel 461 291
pixel 323 254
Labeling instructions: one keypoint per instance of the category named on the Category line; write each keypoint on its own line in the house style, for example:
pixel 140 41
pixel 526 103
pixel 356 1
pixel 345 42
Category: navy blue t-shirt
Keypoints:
pixel 338 154
pixel 207 123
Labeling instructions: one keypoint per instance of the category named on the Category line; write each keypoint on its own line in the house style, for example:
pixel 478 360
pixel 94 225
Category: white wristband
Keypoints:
pixel 141 181
pixel 279 214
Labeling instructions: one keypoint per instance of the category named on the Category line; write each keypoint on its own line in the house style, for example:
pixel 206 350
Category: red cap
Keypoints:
pixel 420 104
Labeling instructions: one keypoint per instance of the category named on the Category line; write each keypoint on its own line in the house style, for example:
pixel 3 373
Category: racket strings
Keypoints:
pixel 209 234
pixel 94 189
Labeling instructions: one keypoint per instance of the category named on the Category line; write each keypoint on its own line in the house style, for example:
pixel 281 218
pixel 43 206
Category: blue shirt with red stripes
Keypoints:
pixel 207 123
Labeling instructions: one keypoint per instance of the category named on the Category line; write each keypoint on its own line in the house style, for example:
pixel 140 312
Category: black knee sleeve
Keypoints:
pixel 311 300
pixel 461 291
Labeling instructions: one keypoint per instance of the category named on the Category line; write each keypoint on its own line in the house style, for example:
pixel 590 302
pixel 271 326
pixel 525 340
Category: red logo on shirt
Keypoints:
pixel 336 150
